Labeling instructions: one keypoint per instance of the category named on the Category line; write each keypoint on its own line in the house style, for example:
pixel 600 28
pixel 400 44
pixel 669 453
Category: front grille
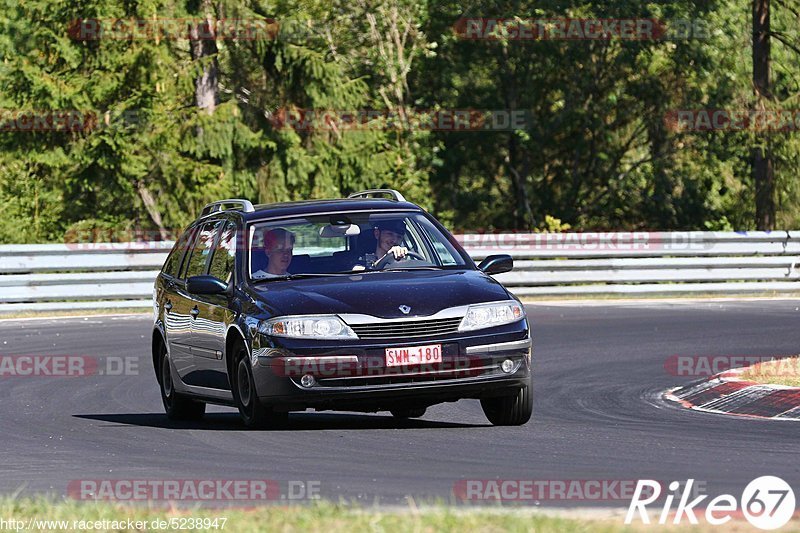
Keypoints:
pixel 407 328
pixel 401 379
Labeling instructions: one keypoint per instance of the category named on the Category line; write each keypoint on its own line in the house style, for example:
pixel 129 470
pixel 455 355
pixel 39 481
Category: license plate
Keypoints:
pixel 414 355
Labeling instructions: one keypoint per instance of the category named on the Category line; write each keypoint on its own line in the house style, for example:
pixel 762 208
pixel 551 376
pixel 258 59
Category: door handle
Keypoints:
pixel 168 306
pixel 194 312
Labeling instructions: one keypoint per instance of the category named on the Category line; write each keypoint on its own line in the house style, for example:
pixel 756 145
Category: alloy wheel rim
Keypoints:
pixel 244 384
pixel 166 378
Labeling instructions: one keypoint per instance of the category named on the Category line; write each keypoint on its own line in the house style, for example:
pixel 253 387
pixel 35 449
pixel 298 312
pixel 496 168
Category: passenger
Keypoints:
pixel 278 246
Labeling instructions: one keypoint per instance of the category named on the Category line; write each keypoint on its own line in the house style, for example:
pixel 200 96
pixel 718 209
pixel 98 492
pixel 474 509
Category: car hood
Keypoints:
pixel 380 294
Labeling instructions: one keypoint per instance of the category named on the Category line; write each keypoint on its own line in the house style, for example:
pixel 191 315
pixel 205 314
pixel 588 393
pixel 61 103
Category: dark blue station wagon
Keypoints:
pixel 355 304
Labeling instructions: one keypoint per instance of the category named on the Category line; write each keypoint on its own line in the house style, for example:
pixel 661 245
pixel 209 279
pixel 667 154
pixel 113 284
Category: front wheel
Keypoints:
pixel 176 406
pixel 510 410
pixel 253 413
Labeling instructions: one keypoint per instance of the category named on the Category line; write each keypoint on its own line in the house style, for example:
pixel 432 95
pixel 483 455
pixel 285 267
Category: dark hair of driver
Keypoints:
pixel 391 225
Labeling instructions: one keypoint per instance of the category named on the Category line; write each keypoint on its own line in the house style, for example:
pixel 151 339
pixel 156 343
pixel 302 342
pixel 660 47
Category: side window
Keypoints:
pixel 222 262
pixel 173 261
pixel 200 250
pixel 413 240
pixel 444 254
pixel 444 249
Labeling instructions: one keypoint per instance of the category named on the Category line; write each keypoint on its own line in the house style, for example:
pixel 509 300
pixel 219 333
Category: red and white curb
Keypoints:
pixel 727 393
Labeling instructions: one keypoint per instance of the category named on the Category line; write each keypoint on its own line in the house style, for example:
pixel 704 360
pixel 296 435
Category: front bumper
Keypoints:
pixel 355 377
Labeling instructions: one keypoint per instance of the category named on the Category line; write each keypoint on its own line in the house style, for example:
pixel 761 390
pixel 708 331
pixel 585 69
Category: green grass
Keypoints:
pixel 323 517
pixel 317 517
pixel 785 371
pixel 76 313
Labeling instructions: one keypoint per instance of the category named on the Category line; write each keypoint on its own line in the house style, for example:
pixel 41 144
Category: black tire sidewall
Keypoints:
pixel 510 410
pixel 254 414
pixel 176 406
pixel 165 373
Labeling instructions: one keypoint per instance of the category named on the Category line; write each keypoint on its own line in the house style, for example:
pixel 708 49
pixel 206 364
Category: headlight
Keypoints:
pixel 492 314
pixel 307 327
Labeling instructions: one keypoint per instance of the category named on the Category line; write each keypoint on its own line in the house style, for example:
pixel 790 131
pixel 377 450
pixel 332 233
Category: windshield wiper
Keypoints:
pixel 300 275
pixel 414 268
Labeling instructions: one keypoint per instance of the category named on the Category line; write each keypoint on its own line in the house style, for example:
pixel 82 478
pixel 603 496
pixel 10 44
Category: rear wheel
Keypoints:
pixel 177 406
pixel 408 413
pixel 510 410
pixel 254 414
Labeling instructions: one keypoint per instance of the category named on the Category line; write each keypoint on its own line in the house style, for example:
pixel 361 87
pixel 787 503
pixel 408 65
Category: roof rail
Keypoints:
pixel 215 207
pixel 396 196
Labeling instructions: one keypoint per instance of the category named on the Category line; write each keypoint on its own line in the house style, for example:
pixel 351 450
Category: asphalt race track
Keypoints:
pixel 599 371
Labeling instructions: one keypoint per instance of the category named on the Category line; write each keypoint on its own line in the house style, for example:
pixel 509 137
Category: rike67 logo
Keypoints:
pixel 767 503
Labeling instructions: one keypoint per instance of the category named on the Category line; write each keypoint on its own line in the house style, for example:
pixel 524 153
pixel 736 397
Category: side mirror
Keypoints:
pixel 497 264
pixel 206 285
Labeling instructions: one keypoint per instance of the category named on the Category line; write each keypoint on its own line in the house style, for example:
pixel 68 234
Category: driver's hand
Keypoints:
pixel 398 252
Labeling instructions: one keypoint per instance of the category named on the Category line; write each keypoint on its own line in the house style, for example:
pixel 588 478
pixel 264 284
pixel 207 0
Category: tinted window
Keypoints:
pixel 307 238
pixel 348 242
pixel 224 257
pixel 173 261
pixel 447 253
pixel 201 249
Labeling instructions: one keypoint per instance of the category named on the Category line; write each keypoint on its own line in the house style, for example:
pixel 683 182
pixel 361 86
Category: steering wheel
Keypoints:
pixel 386 259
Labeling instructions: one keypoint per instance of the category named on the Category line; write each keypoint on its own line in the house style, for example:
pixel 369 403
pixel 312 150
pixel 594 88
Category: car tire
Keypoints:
pixel 177 406
pixel 510 410
pixel 408 413
pixel 254 414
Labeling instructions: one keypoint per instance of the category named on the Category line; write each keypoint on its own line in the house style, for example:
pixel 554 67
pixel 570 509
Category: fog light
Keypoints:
pixel 507 366
pixel 308 381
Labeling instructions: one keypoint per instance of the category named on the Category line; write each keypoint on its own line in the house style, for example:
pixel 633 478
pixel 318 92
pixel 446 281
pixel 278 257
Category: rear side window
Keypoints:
pixel 201 248
pixel 224 257
pixel 173 262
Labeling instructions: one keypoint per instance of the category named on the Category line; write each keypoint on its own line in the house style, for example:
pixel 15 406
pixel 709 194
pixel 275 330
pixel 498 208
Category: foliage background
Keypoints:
pixel 596 152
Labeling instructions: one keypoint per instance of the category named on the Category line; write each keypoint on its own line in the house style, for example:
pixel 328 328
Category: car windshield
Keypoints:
pixel 349 242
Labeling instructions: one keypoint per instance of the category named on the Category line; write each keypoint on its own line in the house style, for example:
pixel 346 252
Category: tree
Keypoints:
pixel 763 174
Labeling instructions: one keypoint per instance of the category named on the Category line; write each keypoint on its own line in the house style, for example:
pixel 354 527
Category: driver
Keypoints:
pixel 278 246
pixel 389 234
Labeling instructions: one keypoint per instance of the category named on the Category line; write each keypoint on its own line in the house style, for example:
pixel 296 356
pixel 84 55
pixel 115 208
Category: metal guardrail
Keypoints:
pixel 79 276
pixel 120 275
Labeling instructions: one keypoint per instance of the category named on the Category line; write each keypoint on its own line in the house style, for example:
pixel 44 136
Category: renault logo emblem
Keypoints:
pixel 405 309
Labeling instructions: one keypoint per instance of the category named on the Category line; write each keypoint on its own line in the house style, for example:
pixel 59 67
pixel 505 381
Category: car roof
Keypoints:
pixel 310 207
